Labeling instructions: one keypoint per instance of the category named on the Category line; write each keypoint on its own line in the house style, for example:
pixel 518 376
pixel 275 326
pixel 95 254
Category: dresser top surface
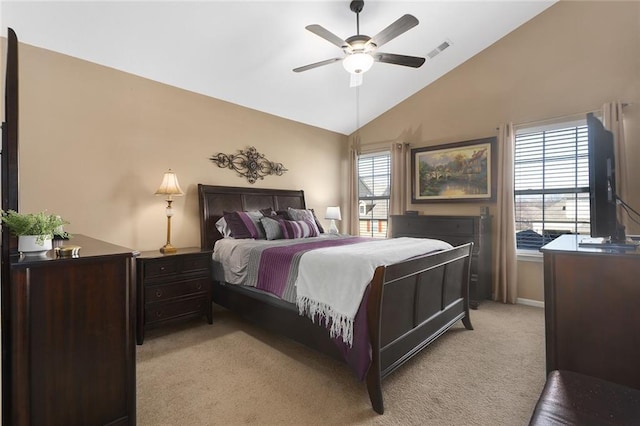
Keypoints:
pixel 89 247
pixel 571 244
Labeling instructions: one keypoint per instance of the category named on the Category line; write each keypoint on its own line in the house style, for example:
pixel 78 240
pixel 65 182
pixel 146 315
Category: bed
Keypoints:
pixel 406 305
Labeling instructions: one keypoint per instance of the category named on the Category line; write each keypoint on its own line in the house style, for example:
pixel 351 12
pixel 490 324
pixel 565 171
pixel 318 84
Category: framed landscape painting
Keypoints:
pixel 462 171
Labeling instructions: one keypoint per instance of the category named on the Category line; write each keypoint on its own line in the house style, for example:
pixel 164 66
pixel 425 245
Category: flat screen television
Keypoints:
pixel 606 230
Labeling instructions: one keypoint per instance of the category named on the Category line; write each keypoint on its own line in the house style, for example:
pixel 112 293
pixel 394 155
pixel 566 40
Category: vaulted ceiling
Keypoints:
pixel 244 51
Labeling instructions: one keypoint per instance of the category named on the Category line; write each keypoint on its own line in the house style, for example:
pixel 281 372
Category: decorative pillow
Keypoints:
pixel 271 228
pixel 298 229
pixel 303 214
pixel 285 214
pixel 267 212
pixel 318 224
pixel 223 228
pixel 245 225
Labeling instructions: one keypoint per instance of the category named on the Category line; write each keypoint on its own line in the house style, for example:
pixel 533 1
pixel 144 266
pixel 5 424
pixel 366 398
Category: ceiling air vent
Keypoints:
pixel 439 49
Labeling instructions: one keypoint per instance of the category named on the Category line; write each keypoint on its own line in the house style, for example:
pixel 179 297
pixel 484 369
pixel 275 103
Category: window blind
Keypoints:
pixel 551 184
pixel 374 184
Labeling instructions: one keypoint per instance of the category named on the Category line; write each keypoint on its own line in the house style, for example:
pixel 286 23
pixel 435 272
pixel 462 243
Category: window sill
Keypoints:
pixel 528 255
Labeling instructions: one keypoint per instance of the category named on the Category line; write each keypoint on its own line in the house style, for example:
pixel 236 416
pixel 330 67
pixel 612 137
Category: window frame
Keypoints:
pixel 386 198
pixel 580 157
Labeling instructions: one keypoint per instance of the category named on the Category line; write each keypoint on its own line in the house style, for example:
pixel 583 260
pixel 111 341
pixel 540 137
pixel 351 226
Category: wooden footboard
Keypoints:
pixel 412 303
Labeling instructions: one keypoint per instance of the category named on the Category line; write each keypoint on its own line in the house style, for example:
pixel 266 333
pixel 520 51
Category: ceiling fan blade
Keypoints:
pixel 391 58
pixel 327 35
pixel 317 64
pixel 403 24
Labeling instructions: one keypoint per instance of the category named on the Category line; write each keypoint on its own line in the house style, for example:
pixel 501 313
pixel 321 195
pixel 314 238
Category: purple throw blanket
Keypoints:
pixel 278 265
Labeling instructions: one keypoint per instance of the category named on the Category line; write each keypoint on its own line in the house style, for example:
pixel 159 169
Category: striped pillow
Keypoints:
pixel 298 229
pixel 305 214
pixel 245 225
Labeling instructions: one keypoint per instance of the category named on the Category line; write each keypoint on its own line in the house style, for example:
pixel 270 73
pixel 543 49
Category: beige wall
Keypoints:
pixel 570 59
pixel 530 280
pixel 95 142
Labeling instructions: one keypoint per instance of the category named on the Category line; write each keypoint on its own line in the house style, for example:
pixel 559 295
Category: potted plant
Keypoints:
pixel 34 230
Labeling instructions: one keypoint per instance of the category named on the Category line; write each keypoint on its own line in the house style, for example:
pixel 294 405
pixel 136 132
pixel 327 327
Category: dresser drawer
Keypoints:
pixel 447 227
pixel 426 225
pixel 158 293
pixel 158 312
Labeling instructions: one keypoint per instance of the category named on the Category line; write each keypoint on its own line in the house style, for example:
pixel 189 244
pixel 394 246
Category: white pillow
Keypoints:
pixel 223 228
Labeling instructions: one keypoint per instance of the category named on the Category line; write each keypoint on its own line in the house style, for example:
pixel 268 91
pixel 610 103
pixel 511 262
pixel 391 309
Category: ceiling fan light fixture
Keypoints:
pixel 357 63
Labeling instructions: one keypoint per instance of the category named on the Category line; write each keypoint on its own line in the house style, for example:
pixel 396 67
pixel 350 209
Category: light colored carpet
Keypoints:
pixel 232 372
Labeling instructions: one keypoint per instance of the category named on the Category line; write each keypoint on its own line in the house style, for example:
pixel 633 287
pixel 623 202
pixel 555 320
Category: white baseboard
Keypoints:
pixel 530 302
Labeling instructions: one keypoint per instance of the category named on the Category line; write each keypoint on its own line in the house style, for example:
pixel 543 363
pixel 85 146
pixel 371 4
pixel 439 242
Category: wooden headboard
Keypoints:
pixel 214 200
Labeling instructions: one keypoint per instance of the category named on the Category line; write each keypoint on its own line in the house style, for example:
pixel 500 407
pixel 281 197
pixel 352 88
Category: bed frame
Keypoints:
pixel 410 303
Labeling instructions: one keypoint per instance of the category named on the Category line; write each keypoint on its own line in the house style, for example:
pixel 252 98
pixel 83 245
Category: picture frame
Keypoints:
pixel 456 172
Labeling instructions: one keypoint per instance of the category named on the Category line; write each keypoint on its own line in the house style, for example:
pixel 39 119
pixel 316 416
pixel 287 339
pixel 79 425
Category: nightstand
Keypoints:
pixel 172 287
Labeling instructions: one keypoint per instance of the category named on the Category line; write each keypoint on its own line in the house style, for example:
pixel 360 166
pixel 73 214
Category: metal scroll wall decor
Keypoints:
pixel 249 163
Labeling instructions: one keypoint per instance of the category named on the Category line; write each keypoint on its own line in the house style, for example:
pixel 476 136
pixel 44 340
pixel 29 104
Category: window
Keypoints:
pixel 374 181
pixel 551 183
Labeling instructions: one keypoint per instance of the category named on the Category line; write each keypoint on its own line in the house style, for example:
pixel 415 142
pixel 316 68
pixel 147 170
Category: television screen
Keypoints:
pixel 602 186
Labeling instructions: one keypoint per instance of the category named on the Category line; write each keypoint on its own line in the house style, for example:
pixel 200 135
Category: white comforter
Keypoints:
pixel 332 281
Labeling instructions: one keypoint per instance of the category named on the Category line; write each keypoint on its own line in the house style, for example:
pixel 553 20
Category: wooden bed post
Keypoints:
pixel 374 312
pixel 466 321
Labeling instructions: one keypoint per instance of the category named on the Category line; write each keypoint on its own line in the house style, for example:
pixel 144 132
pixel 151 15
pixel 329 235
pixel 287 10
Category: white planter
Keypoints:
pixel 28 245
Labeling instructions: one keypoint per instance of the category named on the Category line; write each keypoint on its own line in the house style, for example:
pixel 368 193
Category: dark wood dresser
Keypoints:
pixel 173 287
pixel 455 230
pixel 72 337
pixel 592 310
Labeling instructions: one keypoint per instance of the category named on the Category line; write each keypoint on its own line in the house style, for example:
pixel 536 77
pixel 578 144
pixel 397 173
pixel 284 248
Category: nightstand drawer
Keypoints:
pixel 159 267
pixel 157 312
pixel 159 293
pixel 196 263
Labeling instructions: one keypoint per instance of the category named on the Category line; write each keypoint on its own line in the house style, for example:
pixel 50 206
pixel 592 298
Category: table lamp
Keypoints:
pixel 333 214
pixel 169 187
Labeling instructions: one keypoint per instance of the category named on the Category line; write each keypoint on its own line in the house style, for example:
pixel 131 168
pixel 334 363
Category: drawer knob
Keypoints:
pixel 162 268
pixel 158 293
pixel 199 286
pixel 159 314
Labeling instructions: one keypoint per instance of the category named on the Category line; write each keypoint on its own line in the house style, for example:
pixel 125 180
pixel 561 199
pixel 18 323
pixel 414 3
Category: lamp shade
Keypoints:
pixel 333 213
pixel 357 63
pixel 169 185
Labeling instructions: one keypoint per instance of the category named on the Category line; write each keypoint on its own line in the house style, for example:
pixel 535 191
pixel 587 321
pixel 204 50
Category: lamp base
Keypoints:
pixel 333 229
pixel 168 249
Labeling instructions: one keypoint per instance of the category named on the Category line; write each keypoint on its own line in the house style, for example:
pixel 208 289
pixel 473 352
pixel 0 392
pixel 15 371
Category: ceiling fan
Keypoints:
pixel 361 50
